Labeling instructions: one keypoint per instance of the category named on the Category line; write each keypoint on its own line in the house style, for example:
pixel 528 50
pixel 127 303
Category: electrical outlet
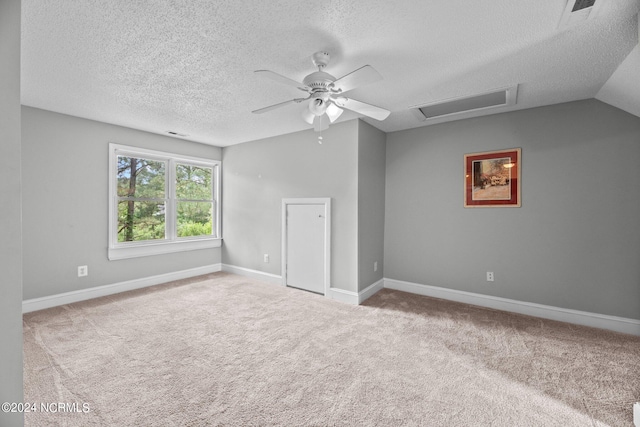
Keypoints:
pixel 83 270
pixel 266 257
pixel 489 276
pixel 375 266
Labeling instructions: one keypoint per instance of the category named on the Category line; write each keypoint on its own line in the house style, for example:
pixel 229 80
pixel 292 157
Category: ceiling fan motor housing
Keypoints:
pixel 319 80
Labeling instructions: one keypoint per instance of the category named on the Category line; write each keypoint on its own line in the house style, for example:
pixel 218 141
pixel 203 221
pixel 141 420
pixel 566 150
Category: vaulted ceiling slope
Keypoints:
pixel 187 67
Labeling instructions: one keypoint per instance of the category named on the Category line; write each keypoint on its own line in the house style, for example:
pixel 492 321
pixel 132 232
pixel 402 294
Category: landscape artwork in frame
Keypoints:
pixel 492 179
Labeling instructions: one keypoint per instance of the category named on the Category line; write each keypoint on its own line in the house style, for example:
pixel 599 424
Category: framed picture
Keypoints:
pixel 492 179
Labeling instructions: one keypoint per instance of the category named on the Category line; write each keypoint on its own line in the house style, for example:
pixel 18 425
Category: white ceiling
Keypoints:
pixel 187 66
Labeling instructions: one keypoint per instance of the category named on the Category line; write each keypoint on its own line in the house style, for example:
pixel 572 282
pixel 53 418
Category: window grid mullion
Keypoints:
pixel 171 196
pixel 140 199
pixel 195 200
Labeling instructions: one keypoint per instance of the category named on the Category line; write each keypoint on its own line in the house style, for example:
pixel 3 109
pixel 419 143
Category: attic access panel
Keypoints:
pixel 459 107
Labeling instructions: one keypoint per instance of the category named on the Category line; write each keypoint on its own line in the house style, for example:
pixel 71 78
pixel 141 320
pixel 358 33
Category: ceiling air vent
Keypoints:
pixel 582 4
pixel 578 11
pixel 464 107
pixel 181 135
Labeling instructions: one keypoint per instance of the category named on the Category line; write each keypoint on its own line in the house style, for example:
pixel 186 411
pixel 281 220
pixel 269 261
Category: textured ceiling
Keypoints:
pixel 188 67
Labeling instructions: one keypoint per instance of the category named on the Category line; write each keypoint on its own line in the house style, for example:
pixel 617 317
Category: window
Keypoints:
pixel 161 202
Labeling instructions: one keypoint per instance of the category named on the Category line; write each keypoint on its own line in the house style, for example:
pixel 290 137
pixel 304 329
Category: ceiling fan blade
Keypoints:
pixel 321 123
pixel 333 111
pixel 363 108
pixel 280 79
pixel 360 77
pixel 278 105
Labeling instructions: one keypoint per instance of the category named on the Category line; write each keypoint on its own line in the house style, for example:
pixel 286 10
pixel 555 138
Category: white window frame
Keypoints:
pixel 171 243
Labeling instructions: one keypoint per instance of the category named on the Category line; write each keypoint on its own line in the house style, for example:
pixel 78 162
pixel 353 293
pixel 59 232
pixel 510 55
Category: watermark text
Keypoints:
pixel 47 407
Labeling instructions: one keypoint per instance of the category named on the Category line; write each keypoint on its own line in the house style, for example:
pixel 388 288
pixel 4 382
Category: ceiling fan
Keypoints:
pixel 325 93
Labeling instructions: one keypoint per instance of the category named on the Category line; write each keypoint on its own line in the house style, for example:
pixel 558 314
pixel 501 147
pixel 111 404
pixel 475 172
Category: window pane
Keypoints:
pixel 193 182
pixel 194 218
pixel 140 221
pixel 141 178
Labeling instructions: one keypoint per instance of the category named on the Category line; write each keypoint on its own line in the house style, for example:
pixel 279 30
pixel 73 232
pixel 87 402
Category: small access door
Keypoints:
pixel 306 243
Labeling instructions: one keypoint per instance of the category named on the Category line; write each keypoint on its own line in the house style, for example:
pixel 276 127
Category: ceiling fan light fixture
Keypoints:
pixel 308 116
pixel 333 111
pixel 318 106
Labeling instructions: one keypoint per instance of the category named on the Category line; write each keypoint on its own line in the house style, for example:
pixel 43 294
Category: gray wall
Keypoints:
pixel 10 227
pixel 574 243
pixel 371 189
pixel 65 204
pixel 258 175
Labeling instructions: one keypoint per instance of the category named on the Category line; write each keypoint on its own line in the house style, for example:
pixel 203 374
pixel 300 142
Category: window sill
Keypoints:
pixel 158 248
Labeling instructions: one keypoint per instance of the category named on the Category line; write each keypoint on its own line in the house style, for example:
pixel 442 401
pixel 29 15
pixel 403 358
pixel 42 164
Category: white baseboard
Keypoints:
pixel 100 291
pixel 341 295
pixel 254 274
pixel 613 323
pixel 348 297
pixel 636 414
pixel 370 291
pixel 356 298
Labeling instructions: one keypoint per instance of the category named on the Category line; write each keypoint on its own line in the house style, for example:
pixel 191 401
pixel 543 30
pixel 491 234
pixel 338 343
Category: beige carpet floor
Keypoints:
pixel 226 350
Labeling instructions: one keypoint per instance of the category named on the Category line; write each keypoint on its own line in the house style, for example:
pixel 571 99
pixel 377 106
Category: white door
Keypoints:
pixel 305 245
